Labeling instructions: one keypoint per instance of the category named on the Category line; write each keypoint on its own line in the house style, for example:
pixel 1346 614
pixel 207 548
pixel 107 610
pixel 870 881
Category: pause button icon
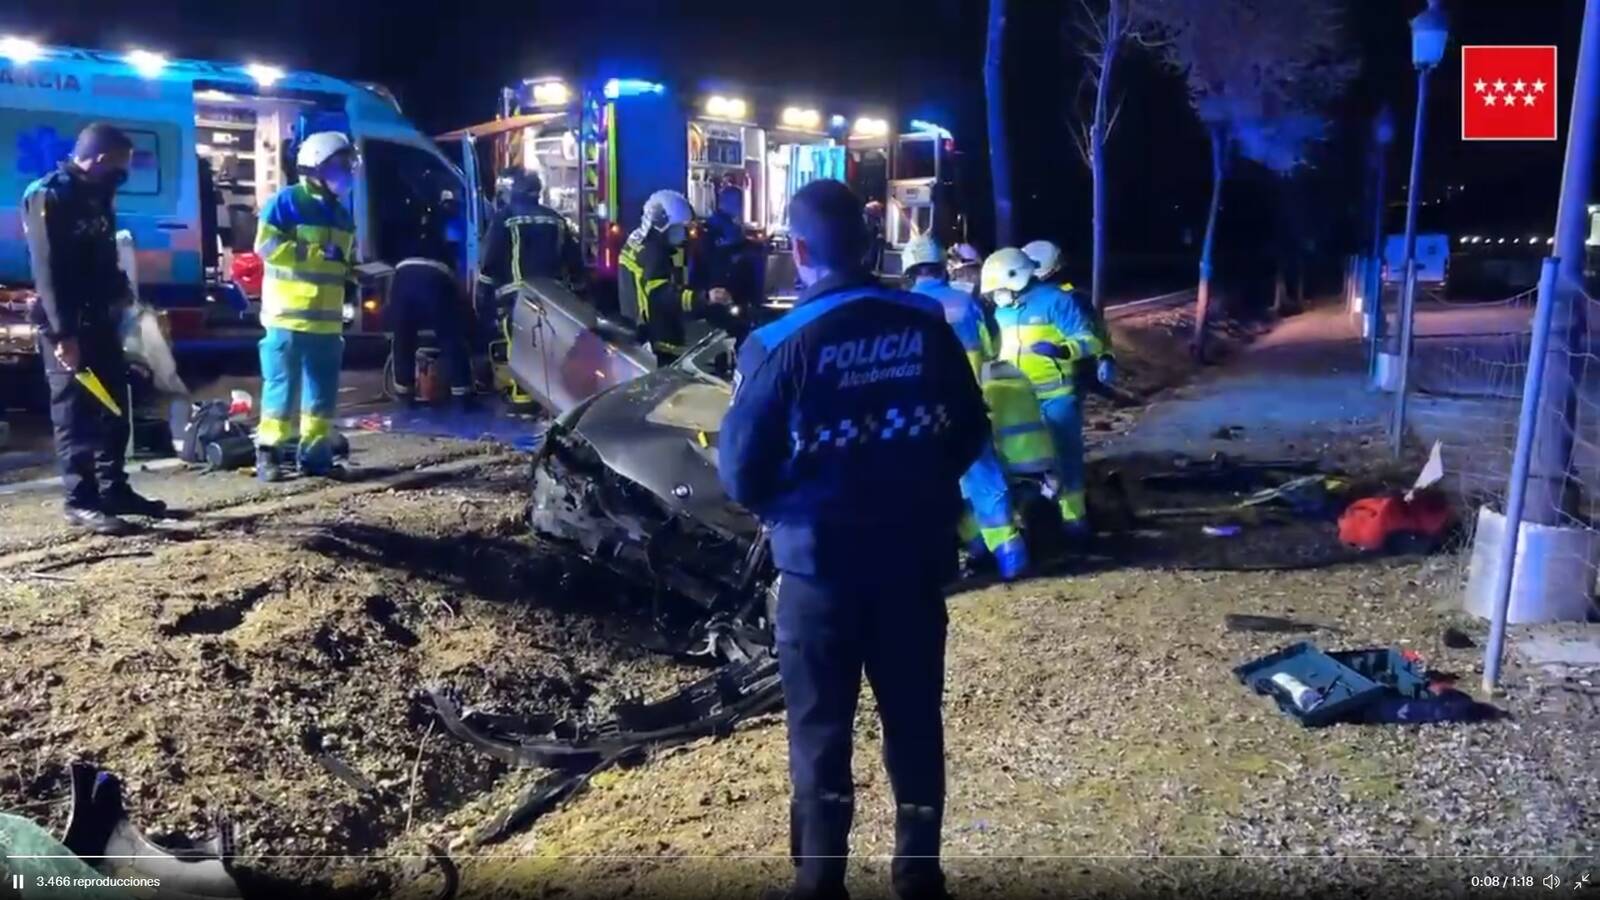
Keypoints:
pixel 16 881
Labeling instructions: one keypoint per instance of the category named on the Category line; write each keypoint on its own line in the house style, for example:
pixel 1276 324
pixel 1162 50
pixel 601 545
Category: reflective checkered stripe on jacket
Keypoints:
pixel 894 423
pixel 307 265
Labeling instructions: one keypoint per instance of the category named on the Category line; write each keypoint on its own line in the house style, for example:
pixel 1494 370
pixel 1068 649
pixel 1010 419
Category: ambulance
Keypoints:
pixel 212 142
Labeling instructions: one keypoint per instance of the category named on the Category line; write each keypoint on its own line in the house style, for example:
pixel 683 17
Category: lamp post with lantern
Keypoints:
pixel 1430 33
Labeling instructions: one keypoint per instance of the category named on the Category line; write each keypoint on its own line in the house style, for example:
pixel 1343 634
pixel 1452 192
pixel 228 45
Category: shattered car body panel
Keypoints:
pixel 630 479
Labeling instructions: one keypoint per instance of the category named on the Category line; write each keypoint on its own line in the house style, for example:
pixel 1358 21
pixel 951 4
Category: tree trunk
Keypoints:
pixel 999 145
pixel 1202 303
pixel 1097 157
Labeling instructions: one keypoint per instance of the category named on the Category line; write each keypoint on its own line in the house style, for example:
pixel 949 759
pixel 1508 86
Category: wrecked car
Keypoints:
pixel 627 473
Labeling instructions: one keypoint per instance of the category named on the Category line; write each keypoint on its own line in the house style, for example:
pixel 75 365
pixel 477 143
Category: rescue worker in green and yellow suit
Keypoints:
pixel 1101 371
pixel 306 239
pixel 652 282
pixel 988 525
pixel 1043 332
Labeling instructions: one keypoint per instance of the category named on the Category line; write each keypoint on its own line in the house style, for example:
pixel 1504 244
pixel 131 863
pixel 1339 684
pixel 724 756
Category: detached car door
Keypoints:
pixel 563 352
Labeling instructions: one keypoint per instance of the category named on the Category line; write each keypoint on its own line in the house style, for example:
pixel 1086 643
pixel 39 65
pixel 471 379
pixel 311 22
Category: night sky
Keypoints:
pixel 924 58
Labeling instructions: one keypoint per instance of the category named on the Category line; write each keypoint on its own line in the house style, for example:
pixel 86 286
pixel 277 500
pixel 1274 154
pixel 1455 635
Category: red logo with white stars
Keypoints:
pixel 1508 93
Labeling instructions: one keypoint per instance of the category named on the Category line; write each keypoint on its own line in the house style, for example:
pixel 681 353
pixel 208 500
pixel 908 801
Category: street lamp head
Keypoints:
pixel 1383 126
pixel 1430 33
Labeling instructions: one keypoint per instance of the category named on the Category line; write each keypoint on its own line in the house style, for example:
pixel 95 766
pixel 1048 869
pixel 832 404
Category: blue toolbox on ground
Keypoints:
pixel 1320 688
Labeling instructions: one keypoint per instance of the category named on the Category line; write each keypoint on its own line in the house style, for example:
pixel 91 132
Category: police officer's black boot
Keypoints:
pixel 267 468
pixel 122 500
pixel 915 871
pixel 97 521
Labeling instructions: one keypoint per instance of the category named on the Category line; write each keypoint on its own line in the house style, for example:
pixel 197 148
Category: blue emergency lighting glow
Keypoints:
pixel 838 121
pixel 631 87
pixel 147 63
pixel 920 125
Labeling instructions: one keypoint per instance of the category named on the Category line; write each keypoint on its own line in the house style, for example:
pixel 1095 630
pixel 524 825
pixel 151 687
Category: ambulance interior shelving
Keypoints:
pixel 240 140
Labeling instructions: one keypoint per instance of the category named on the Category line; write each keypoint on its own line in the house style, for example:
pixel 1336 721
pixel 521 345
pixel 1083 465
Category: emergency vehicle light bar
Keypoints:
pixel 20 50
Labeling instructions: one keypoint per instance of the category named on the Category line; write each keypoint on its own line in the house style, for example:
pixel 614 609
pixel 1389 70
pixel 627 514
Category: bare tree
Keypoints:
pixel 999 144
pixel 1248 62
pixel 1102 30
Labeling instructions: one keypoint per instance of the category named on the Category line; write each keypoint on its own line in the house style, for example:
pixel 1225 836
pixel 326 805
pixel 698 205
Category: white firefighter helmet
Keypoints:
pixel 1006 269
pixel 318 148
pixel 1046 256
pixel 667 208
pixel 921 250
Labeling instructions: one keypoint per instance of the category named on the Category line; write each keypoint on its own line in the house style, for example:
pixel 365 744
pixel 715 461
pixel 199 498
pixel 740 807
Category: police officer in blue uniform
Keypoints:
pixel 853 418
pixel 71 226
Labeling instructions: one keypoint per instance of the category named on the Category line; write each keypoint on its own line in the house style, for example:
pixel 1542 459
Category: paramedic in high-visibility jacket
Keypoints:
pixel 1100 371
pixel 989 525
pixel 653 278
pixel 853 418
pixel 307 242
pixel 1044 332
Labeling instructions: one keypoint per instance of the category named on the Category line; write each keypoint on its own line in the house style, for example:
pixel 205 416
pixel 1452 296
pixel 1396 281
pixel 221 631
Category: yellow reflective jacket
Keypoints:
pixel 306 242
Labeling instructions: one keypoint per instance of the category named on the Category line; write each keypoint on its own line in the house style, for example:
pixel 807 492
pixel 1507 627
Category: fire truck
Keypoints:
pixel 602 147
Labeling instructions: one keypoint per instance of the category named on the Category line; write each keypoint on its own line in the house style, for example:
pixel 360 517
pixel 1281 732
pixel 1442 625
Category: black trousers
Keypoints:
pixel 91 442
pixel 420 298
pixel 828 633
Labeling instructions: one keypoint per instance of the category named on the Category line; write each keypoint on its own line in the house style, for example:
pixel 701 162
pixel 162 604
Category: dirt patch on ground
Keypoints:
pixel 1093 721
pixel 267 666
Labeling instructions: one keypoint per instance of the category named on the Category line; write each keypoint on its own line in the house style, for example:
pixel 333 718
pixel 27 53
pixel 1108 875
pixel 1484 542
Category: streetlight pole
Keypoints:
pixel 1553 440
pixel 1429 34
pixel 1382 136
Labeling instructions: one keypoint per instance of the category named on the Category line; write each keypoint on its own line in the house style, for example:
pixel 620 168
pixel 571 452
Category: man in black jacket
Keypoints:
pixel 72 243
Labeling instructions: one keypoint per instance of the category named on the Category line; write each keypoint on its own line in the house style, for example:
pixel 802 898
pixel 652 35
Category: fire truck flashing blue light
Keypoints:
pixel 631 87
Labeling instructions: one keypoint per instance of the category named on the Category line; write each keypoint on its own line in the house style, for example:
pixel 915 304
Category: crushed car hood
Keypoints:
pixel 660 432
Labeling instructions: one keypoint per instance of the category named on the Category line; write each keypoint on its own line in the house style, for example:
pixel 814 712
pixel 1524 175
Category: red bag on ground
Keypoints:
pixel 1369 523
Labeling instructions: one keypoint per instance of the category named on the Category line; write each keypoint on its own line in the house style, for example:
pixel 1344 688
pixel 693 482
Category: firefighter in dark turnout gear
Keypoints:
pixel 427 293
pixel 526 240
pixel 652 279
pixel 728 257
pixel 852 421
pixel 71 231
